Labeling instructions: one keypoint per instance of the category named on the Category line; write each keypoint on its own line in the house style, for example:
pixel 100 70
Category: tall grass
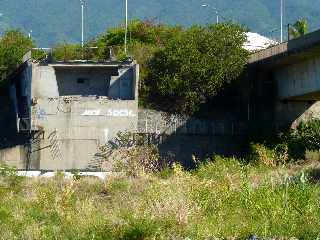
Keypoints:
pixel 222 199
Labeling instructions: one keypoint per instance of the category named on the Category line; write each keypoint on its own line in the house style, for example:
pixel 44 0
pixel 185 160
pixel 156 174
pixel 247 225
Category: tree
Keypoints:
pixel 175 61
pixel 195 65
pixel 13 45
pixel 144 39
pixel 141 33
pixel 298 29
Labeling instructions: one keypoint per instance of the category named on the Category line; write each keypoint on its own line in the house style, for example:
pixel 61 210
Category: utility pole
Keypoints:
pixel 126 30
pixel 82 22
pixel 281 20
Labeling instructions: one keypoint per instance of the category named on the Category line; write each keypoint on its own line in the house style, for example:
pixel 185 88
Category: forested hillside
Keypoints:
pixel 59 20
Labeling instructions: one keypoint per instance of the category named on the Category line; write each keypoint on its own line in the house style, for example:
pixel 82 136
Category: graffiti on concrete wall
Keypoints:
pixel 41 114
pixel 120 113
pixel 110 113
pixel 92 112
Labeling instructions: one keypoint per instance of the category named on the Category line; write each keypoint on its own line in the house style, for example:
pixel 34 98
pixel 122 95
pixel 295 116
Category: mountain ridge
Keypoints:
pixel 59 20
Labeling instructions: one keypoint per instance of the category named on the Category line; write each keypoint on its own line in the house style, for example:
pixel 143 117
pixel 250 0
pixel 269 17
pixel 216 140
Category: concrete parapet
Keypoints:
pixel 287 51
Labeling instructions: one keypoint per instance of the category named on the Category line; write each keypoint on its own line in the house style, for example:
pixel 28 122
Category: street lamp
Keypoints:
pixel 281 19
pixel 1 15
pixel 126 30
pixel 82 2
pixel 215 9
pixel 30 34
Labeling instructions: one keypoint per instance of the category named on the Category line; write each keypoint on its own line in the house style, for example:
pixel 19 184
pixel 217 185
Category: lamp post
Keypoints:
pixel 215 9
pixel 126 30
pixel 30 34
pixel 281 20
pixel 82 2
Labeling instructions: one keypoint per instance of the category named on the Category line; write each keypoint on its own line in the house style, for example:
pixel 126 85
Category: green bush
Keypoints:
pixel 269 156
pixel 38 54
pixel 195 65
pixel 308 134
pixel 146 32
pixel 305 137
pixel 180 68
pixel 300 143
pixel 67 52
pixel 138 229
pixel 10 181
pixel 137 160
pixel 13 45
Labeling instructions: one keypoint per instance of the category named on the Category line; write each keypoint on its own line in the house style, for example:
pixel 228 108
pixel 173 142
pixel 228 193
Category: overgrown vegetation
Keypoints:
pixel 180 68
pixel 267 196
pixel 194 66
pixel 222 199
pixel 13 45
pixel 139 32
pixel 293 145
pixel 67 52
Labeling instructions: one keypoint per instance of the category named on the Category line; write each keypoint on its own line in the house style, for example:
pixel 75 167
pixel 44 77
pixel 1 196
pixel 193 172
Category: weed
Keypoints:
pixel 219 200
pixel 76 174
pixel 9 180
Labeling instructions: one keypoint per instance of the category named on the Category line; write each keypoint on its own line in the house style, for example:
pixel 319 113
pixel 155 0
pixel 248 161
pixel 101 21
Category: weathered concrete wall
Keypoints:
pixel 44 83
pixel 287 94
pixel 79 81
pixel 49 81
pixel 121 87
pixel 8 112
pixel 15 156
pixel 68 131
pixel 299 81
pixel 67 113
pixel 295 67
pixel 74 124
pixel 181 137
pixel 291 113
pixel 157 122
pixel 288 52
pixel 20 98
pixel 76 127
pixel 135 86
pixel 83 124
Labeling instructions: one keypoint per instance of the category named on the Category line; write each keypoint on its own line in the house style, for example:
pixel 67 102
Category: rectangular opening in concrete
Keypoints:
pixel 83 81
